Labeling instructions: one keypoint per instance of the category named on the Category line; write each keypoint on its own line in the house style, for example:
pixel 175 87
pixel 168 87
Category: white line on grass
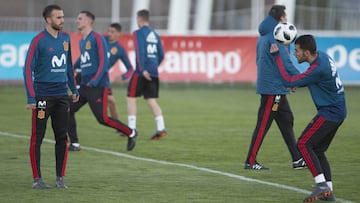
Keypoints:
pixel 295 189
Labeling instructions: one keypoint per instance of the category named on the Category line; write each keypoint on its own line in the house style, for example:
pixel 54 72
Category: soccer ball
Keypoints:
pixel 285 33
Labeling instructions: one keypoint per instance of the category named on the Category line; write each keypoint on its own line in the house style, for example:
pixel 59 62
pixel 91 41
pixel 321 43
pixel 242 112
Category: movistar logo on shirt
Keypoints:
pixel 151 38
pixel 58 62
pixel 151 50
pixel 85 58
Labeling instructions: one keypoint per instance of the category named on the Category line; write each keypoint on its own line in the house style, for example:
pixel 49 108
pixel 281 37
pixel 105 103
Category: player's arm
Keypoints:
pixel 30 64
pixel 308 77
pixel 125 60
pixel 140 50
pixel 160 50
pixel 285 56
pixel 77 68
pixel 103 61
pixel 70 75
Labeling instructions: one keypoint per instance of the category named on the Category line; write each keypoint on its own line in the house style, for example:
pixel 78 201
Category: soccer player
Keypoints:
pixel 273 104
pixel 327 92
pixel 48 75
pixel 145 80
pixel 116 52
pixel 94 64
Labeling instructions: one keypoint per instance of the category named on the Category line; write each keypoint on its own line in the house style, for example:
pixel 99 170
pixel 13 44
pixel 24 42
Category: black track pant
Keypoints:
pixel 273 107
pixel 58 109
pixel 314 142
pixel 97 99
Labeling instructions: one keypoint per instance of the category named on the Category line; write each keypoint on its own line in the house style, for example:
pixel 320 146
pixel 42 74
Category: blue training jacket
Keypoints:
pixel 149 51
pixel 94 61
pixel 118 52
pixel 324 83
pixel 48 67
pixel 268 77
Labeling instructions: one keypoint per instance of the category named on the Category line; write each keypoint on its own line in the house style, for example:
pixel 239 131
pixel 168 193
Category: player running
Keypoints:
pixel 94 64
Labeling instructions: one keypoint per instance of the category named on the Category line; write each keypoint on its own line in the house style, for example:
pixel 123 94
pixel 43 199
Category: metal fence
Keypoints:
pixel 307 17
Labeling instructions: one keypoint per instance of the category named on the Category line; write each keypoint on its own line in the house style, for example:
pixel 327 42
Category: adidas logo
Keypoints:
pixel 257 167
pixel 151 38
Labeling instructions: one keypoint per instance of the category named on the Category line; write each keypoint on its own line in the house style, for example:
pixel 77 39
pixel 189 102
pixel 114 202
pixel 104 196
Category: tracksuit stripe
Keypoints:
pixel 101 52
pixel 112 123
pixel 28 73
pixel 137 50
pixel 261 130
pixel 63 169
pixel 33 146
pixel 132 92
pixel 289 78
pixel 304 140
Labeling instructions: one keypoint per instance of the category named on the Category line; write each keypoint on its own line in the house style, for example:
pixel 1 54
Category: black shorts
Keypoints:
pixel 139 86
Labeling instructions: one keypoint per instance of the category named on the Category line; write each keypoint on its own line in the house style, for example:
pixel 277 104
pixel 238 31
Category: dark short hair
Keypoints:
pixel 144 14
pixel 89 15
pixel 306 42
pixel 277 11
pixel 48 9
pixel 116 26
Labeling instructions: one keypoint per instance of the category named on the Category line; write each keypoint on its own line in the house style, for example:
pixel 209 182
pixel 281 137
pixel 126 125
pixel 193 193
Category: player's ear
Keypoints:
pixel 48 19
pixel 307 53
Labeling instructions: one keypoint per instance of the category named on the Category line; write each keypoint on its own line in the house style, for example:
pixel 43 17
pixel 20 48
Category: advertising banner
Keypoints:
pixel 213 59
pixel 196 59
pixel 13 49
pixel 346 54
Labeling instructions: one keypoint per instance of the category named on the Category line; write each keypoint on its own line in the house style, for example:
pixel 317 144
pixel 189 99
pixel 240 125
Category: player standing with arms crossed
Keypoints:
pixel 48 74
pixel 327 92
pixel 273 104
pixel 145 80
pixel 94 64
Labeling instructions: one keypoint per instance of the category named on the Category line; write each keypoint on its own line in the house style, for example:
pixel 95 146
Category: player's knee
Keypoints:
pixel 101 119
pixel 111 103
pixel 301 145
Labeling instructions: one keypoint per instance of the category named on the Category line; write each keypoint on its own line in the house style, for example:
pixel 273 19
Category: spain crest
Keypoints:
pixel 88 45
pixel 66 46
pixel 113 51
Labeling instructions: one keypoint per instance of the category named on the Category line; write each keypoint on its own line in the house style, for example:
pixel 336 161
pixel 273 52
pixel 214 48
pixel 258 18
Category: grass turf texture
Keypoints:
pixel 209 126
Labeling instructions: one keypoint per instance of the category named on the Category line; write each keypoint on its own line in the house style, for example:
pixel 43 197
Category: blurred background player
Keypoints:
pixel 145 80
pixel 94 64
pixel 327 92
pixel 116 52
pixel 273 104
pixel 48 75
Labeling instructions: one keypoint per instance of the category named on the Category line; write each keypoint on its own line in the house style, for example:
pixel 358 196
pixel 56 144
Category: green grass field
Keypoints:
pixel 201 160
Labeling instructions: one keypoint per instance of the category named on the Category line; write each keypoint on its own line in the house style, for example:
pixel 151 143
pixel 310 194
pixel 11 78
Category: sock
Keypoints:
pixel 160 123
pixel 330 184
pixel 132 122
pixel 320 178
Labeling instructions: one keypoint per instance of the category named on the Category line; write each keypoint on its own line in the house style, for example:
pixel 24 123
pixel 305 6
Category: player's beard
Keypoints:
pixel 300 59
pixel 57 27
